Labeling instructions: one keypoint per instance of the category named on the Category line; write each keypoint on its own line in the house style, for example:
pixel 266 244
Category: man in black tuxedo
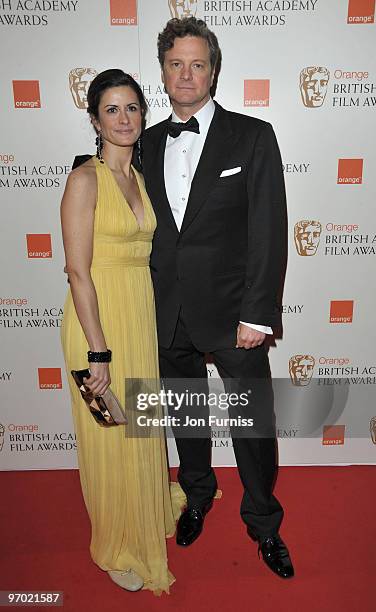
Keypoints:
pixel 216 183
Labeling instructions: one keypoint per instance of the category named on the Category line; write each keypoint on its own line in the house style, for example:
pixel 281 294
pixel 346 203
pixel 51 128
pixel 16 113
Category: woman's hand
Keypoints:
pixel 99 379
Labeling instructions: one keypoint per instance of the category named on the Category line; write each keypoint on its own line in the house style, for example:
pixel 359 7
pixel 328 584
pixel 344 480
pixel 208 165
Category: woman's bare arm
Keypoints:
pixel 77 220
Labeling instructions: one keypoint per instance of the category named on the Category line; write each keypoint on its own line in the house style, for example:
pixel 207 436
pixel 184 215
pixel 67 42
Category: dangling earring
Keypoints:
pixel 139 151
pixel 99 145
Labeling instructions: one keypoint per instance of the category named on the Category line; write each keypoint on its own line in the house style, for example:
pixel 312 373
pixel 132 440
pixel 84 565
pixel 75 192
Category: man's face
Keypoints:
pixel 307 239
pixel 183 8
pixel 301 372
pixel 187 74
pixel 314 89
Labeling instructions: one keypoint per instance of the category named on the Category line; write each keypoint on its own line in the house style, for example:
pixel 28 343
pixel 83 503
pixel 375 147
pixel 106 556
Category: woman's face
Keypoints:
pixel 120 117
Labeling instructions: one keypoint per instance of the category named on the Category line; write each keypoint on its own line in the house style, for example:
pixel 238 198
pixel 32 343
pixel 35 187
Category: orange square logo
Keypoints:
pixel 39 245
pixel 50 378
pixel 333 435
pixel 123 12
pixel 26 94
pixel 361 11
pixel 256 92
pixel 350 171
pixel 341 311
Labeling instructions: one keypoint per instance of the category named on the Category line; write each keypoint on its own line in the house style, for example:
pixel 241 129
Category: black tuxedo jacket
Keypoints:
pixel 225 264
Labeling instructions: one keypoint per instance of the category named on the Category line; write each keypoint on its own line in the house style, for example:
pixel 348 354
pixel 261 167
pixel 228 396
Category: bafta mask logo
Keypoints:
pixel 307 237
pixel 79 82
pixel 182 8
pixel 2 436
pixel 301 369
pixel 313 85
pixel 372 429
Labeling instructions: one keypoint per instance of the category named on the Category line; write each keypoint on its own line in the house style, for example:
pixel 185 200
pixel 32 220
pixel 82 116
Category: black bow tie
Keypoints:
pixel 175 129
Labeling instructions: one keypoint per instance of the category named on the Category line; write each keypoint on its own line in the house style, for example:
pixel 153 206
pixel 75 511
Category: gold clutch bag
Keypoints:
pixel 106 409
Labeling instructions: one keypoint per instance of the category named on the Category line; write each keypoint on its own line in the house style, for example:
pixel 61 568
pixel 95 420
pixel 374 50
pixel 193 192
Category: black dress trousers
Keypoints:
pixel 244 371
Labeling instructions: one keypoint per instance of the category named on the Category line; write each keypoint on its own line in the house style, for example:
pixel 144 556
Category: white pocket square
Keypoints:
pixel 230 171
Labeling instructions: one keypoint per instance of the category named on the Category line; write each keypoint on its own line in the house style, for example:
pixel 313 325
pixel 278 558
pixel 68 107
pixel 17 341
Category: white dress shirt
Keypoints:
pixel 182 155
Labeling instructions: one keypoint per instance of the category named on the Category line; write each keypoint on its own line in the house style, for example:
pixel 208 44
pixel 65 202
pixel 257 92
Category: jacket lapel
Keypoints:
pixel 213 158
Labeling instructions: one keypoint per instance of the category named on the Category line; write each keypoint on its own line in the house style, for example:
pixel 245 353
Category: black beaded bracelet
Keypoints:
pixel 101 357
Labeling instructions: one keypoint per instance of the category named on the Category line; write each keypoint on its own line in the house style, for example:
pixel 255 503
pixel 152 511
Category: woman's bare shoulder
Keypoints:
pixel 83 177
pixel 81 187
pixel 85 172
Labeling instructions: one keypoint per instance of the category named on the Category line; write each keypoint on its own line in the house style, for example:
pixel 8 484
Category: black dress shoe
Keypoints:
pixel 190 525
pixel 276 556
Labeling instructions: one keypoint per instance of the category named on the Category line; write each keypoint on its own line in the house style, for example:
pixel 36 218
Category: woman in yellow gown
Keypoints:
pixel 108 224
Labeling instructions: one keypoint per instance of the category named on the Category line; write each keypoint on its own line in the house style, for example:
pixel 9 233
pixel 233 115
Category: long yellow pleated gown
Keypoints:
pixel 124 480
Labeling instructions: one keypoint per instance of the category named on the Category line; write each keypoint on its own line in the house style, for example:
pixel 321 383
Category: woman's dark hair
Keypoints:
pixel 113 78
pixel 188 26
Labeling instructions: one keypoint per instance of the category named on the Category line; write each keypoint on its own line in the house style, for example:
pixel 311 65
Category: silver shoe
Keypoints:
pixel 126 579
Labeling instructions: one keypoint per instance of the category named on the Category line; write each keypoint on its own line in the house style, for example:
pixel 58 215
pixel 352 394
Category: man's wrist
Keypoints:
pixel 264 329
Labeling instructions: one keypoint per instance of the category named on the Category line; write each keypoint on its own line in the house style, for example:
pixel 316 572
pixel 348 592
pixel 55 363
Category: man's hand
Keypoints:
pixel 248 338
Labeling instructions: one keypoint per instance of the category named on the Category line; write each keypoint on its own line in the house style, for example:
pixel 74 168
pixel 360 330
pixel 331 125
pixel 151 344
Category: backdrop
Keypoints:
pixel 309 68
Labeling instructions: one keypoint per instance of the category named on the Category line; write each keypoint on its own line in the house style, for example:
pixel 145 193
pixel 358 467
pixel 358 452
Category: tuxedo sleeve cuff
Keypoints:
pixel 261 328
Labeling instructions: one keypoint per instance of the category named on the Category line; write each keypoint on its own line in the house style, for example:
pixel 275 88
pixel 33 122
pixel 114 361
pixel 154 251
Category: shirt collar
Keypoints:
pixel 203 116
